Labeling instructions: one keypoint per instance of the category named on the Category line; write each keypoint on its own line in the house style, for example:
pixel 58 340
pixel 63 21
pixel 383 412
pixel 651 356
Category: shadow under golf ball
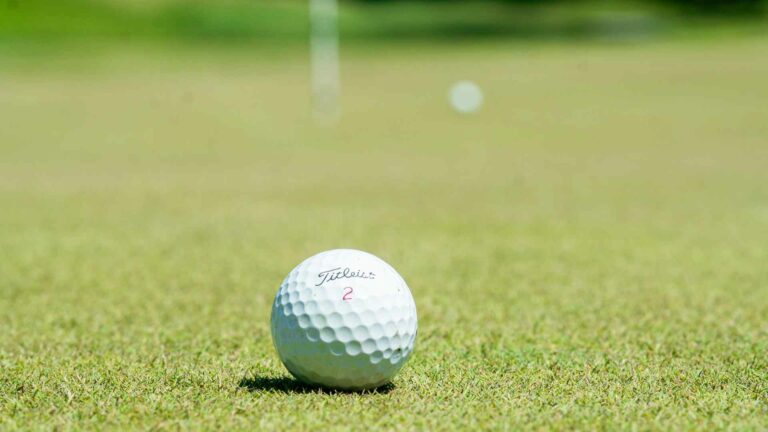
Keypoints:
pixel 285 384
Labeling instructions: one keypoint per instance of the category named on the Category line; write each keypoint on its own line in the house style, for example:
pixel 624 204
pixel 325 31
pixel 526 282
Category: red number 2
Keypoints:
pixel 347 293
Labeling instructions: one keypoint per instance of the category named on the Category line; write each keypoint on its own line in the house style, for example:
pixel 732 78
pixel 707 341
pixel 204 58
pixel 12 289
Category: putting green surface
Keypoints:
pixel 588 251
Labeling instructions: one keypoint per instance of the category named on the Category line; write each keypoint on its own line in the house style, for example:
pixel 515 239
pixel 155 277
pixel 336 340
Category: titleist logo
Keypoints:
pixel 346 273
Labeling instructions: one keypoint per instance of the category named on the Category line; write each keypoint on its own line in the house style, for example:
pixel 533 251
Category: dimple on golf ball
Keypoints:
pixel 344 319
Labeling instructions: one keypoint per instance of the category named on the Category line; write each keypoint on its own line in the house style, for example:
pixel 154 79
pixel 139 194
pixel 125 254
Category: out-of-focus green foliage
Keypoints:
pixel 720 6
pixel 234 19
pixel 705 6
pixel 286 20
pixel 54 19
pixel 230 19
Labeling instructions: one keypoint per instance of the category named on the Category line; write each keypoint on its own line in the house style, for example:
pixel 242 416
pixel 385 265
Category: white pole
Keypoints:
pixel 324 47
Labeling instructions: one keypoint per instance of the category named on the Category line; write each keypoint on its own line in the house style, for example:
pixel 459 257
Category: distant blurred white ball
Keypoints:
pixel 466 97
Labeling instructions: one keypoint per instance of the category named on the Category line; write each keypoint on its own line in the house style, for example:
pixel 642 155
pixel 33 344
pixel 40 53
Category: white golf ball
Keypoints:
pixel 344 319
pixel 466 97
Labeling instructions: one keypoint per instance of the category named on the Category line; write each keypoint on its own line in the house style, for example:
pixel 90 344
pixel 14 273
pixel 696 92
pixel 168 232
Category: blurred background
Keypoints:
pixel 147 133
pixel 281 22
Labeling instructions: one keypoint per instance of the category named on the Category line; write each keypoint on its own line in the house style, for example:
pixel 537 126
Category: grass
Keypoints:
pixel 587 252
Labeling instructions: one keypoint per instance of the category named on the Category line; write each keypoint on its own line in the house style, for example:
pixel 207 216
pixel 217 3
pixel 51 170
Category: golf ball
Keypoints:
pixel 344 319
pixel 466 97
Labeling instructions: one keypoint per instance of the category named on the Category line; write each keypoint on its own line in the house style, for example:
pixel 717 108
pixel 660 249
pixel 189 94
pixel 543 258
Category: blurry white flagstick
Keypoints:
pixel 324 47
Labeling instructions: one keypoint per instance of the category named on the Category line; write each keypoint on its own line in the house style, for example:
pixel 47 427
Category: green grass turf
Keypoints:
pixel 589 251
